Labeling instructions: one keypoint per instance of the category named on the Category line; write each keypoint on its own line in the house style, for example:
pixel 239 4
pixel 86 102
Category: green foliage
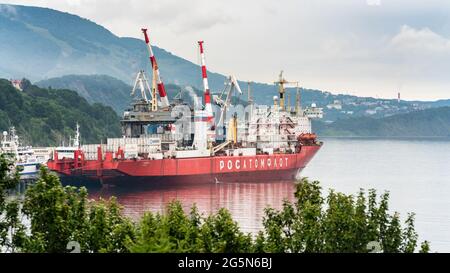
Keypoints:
pixel 425 247
pixel 47 116
pixel 178 232
pixel 59 215
pixel 10 222
pixel 95 89
pixel 339 223
pixel 311 224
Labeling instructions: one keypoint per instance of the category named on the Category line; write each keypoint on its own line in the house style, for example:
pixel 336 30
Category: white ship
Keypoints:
pixel 27 158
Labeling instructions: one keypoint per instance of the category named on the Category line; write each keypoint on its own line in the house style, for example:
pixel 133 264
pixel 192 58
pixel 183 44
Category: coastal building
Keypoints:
pixel 335 105
pixel 371 111
pixel 17 84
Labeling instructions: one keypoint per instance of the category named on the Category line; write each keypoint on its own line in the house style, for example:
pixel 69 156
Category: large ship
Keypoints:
pixel 208 142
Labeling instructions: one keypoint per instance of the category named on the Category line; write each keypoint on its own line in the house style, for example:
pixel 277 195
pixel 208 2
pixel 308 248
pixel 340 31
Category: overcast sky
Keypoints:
pixel 362 47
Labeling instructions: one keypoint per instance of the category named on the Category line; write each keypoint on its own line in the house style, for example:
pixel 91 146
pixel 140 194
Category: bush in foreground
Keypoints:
pixel 59 215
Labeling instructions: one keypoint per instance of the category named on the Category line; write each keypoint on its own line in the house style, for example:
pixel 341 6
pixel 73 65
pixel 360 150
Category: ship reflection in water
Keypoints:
pixel 245 201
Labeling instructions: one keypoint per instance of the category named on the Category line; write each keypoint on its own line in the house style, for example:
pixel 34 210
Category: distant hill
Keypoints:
pixel 430 122
pixel 440 103
pixel 48 116
pixel 103 89
pixel 112 92
pixel 42 44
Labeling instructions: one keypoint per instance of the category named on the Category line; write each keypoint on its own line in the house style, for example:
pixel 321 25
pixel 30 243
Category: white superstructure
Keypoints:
pixel 276 128
pixel 24 156
pixel 69 151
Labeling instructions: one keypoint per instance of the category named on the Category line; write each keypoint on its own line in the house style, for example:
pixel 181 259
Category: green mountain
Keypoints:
pixel 430 122
pixel 48 116
pixel 108 90
pixel 94 88
pixel 42 44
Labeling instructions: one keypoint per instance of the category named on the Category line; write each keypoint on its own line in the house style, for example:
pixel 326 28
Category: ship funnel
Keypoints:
pixel 200 128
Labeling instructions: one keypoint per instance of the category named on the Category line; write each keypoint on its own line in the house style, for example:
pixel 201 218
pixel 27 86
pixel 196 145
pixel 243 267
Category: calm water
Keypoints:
pixel 416 172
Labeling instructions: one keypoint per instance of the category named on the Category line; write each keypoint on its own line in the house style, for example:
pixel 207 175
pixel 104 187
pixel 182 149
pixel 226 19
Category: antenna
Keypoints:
pixel 249 93
pixel 298 105
pixel 281 82
pixel 288 108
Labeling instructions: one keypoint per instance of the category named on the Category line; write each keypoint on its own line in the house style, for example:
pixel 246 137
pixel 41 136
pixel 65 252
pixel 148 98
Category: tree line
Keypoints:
pixel 57 215
pixel 48 116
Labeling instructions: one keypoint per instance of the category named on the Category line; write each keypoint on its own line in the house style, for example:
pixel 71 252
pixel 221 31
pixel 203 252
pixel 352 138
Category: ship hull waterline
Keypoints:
pixel 219 169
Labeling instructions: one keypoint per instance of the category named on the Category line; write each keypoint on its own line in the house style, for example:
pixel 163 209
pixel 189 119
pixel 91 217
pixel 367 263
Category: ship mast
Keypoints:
pixel 76 141
pixel 250 99
pixel 249 94
pixel 154 103
pixel 281 90
pixel 288 108
pixel 298 106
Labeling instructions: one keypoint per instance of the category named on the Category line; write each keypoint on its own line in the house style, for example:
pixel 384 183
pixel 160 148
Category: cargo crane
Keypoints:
pixel 224 99
pixel 161 89
pixel 207 97
pixel 281 82
pixel 142 83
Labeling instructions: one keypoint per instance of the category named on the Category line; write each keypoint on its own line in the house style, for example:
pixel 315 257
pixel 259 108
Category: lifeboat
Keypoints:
pixel 307 137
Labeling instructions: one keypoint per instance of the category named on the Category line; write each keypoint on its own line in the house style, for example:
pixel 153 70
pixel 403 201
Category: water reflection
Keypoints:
pixel 245 201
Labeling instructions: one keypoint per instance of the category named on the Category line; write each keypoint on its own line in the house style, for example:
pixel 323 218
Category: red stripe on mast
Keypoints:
pixel 160 84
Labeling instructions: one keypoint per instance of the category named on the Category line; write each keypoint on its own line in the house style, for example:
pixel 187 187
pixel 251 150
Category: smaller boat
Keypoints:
pixel 24 157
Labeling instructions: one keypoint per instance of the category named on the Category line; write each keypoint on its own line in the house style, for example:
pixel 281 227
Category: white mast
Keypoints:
pixel 76 141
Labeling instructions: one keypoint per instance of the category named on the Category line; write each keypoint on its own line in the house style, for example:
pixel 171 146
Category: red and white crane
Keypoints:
pixel 160 84
pixel 206 94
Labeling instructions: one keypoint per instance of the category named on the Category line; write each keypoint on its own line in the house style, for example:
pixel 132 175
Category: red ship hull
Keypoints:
pixel 184 170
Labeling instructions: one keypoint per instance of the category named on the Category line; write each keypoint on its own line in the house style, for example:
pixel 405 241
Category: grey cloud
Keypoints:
pixel 420 41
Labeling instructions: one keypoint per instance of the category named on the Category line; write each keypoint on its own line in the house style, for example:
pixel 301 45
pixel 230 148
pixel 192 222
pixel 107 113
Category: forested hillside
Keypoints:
pixel 48 116
pixel 430 122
